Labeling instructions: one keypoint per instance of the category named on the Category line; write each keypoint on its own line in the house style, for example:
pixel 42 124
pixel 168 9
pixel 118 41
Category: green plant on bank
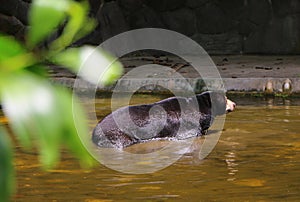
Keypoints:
pixel 42 115
pixel 282 95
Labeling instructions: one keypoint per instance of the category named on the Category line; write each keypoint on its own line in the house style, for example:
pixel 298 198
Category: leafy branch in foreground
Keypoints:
pixel 42 115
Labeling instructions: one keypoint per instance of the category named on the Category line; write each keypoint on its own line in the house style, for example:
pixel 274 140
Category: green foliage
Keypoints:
pixel 6 167
pixel 113 72
pixel 9 47
pixel 110 70
pixel 43 115
pixel 42 112
pixel 44 16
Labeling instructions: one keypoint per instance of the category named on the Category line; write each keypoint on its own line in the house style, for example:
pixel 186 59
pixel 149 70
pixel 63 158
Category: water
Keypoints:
pixel 257 158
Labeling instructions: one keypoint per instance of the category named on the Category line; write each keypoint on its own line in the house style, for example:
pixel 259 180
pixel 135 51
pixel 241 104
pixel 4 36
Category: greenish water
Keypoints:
pixel 257 158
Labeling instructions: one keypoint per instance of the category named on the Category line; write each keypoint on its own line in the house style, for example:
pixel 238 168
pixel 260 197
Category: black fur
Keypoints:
pixel 194 121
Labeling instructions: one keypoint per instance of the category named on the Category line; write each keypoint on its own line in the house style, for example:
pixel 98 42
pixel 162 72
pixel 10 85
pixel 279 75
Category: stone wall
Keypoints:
pixel 13 17
pixel 220 26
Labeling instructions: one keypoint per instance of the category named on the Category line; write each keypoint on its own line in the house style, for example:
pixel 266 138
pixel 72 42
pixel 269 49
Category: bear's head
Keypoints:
pixel 215 103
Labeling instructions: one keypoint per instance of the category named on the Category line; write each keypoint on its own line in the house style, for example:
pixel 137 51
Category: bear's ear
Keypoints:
pixel 218 103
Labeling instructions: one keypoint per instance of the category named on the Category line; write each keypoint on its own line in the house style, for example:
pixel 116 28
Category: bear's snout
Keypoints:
pixel 230 105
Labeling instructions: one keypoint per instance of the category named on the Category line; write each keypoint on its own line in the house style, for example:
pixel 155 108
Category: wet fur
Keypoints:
pixel 197 121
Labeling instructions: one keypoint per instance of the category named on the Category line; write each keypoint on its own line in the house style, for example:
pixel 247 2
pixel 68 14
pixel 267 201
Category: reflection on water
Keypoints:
pixel 256 159
pixel 231 165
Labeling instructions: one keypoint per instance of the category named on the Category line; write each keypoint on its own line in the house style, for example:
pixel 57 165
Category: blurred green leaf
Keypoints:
pixel 95 66
pixel 69 58
pixel 113 69
pixel 9 47
pixel 112 73
pixel 40 114
pixel 30 104
pixel 76 136
pixel 13 55
pixel 87 27
pixel 38 70
pixel 92 64
pixel 38 111
pixel 44 17
pixel 7 176
pixel 21 61
pixel 77 18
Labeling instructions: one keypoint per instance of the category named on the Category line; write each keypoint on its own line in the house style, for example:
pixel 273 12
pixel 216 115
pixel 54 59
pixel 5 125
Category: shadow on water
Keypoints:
pixel 257 158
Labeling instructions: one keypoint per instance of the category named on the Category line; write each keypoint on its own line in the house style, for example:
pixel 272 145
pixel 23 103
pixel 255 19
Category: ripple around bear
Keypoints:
pixel 174 117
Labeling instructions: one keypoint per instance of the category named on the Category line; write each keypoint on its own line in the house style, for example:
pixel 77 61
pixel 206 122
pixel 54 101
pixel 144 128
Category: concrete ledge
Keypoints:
pixel 234 85
pixel 249 74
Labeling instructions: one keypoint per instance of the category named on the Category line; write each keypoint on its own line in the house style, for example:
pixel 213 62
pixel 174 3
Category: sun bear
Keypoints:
pixel 174 117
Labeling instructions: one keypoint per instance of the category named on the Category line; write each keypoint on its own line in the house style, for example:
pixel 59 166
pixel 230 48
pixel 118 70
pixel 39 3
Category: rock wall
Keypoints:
pixel 220 26
pixel 13 17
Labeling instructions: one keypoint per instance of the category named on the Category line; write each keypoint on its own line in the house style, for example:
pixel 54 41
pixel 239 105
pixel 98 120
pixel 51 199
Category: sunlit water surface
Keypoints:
pixel 257 158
